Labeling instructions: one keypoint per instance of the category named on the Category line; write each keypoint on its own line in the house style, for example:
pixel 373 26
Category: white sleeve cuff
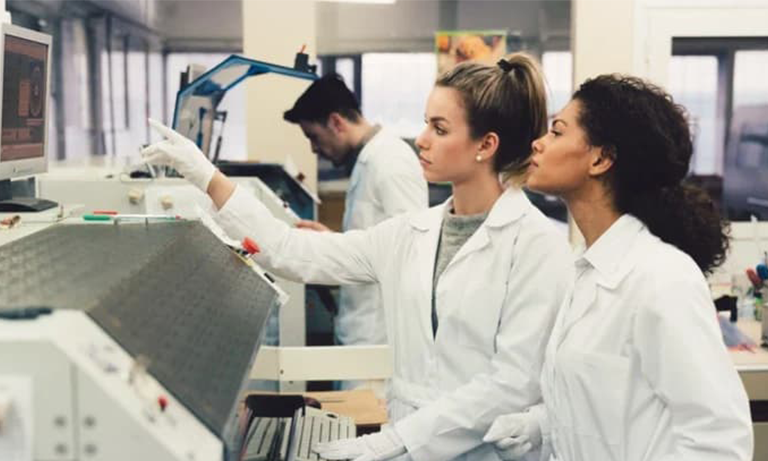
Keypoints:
pixel 539 413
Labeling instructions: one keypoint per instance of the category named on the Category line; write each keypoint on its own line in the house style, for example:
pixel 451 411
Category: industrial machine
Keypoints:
pixel 195 115
pixel 129 341
pixel 105 189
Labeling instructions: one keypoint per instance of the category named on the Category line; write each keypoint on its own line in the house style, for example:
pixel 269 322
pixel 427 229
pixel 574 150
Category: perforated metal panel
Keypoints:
pixel 169 292
pixel 73 266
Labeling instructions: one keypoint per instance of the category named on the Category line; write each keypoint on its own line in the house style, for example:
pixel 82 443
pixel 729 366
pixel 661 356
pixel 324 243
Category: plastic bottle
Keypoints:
pixel 746 309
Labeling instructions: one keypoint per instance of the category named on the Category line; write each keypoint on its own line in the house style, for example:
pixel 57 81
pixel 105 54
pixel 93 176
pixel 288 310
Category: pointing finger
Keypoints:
pixel 164 130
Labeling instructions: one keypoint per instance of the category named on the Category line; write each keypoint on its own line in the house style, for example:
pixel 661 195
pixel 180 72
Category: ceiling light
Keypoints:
pixel 380 2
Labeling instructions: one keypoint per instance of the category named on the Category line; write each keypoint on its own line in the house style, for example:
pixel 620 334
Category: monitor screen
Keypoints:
pixel 24 93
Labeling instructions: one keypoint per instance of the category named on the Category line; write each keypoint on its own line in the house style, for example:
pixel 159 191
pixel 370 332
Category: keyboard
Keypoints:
pixel 292 439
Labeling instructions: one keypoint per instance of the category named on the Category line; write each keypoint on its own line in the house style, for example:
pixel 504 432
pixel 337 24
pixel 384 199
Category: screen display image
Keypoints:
pixel 24 95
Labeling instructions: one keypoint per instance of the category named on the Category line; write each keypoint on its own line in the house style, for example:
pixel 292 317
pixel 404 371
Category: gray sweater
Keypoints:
pixel 455 231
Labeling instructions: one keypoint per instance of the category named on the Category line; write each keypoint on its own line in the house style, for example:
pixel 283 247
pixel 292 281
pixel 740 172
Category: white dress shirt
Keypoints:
pixel 636 368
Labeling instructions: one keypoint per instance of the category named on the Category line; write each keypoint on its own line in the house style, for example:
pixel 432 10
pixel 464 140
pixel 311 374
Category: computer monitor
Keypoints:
pixel 25 68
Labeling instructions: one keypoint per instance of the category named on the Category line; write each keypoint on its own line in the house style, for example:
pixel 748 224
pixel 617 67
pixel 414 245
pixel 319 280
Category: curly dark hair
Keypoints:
pixel 647 134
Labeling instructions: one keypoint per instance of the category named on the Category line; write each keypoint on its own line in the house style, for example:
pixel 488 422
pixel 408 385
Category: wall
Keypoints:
pixel 602 37
pixel 602 40
pixel 409 25
pixel 403 26
pixel 201 25
pixel 198 25
pixel 634 27
pixel 139 11
pixel 274 33
pixel 658 21
pixel 540 24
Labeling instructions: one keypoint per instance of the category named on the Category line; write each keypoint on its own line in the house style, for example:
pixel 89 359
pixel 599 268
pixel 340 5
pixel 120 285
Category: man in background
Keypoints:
pixel 386 180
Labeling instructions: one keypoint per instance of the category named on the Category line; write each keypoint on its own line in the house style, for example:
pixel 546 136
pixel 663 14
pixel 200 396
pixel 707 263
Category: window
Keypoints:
pixel 693 82
pixel 750 85
pixel 750 102
pixel 396 102
pixel 76 99
pixel 558 73
pixel 119 85
pixel 346 68
pixel 156 83
pixel 720 81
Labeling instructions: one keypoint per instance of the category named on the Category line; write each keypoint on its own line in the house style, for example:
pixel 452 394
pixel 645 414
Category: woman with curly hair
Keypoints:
pixel 635 369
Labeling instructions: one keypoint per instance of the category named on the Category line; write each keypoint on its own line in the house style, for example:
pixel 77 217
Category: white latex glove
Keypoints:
pixel 180 154
pixel 514 435
pixel 370 447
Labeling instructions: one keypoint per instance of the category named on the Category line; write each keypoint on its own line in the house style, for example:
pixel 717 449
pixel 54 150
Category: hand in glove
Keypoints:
pixel 181 154
pixel 371 447
pixel 514 435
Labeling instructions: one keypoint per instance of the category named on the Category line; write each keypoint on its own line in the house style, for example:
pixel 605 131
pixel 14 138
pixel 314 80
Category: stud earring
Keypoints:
pixel 479 158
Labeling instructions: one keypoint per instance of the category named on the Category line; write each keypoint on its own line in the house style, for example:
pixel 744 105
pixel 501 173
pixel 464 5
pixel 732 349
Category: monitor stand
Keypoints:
pixel 10 204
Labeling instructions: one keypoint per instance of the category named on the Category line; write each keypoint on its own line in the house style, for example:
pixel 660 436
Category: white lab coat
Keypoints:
pixel 496 301
pixel 387 180
pixel 636 368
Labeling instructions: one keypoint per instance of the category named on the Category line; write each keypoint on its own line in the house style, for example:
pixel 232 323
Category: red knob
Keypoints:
pixel 250 246
pixel 163 402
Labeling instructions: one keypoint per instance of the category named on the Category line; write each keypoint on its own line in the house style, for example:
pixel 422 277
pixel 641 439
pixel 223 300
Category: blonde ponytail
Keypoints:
pixel 508 99
pixel 528 73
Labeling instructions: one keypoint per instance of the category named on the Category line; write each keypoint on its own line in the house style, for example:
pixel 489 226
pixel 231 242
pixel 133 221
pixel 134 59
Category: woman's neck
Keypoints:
pixel 477 195
pixel 593 212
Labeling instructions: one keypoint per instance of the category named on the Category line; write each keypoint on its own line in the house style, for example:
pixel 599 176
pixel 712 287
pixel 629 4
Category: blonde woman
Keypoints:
pixel 470 288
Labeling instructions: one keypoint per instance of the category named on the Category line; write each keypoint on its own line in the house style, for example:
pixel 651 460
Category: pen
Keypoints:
pixel 24 313
pixel 97 217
